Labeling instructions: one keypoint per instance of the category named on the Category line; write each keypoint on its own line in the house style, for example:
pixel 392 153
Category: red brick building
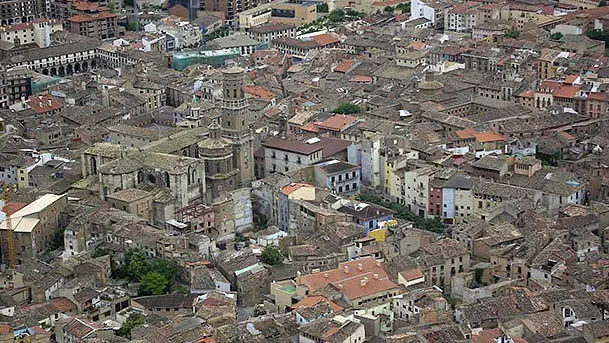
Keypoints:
pixel 100 25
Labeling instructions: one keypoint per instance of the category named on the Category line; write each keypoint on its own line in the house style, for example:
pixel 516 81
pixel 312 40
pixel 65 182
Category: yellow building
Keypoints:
pixel 283 12
pixel 294 13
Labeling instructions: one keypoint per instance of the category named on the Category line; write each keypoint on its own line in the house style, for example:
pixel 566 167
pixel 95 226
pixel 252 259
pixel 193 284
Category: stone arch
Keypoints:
pixel 69 69
pixel 140 177
pixel 45 71
pixel 85 66
pixel 167 180
pixel 77 67
pixel 62 71
pixel 53 71
pixel 93 64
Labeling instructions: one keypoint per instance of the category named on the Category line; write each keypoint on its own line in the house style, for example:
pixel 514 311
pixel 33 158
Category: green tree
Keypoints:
pixel 168 269
pixel 153 283
pixel 136 265
pixel 403 7
pixel 389 9
pixel 355 14
pixel 430 224
pixel 271 255
pixel 132 321
pixel 556 36
pixel 99 252
pixel 598 35
pixel 132 25
pixel 336 16
pixel 323 8
pixel 512 34
pixel 57 239
pixel 347 108
pixel 112 7
pixel 602 3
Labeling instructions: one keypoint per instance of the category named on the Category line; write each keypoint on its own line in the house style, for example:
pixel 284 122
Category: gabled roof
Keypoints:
pixel 337 122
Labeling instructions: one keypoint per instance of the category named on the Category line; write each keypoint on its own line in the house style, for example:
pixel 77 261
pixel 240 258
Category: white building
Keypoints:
pixel 432 10
pixel 38 31
pixel 461 18
pixel 285 155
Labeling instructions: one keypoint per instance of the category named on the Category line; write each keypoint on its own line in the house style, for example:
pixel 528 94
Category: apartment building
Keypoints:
pixel 18 11
pixel 101 25
pixel 35 32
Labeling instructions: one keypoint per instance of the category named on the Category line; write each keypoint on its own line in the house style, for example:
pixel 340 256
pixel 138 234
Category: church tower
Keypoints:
pixel 234 123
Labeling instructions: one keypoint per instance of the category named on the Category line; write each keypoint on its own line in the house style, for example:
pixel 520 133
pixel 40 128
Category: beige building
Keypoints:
pixel 135 201
pixel 34 226
pixel 285 294
pixel 37 32
pixel 291 13
pixel 294 13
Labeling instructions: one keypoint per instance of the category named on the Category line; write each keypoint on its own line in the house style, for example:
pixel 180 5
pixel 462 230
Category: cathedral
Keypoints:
pixel 228 151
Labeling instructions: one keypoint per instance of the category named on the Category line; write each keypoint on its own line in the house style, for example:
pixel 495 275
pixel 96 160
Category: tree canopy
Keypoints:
pixel 347 108
pixel 323 8
pixel 271 255
pixel 154 275
pixel 132 321
pixel 153 283
pixel 429 224
pixel 389 9
pixel 556 36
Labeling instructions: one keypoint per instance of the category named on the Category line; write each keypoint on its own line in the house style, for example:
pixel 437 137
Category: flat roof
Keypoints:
pixel 20 220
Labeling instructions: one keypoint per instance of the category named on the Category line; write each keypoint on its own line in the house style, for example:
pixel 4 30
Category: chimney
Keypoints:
pixel 49 102
pixel 376 276
pixel 378 264
pixel 346 269
pixel 340 286
pixel 360 267
pixel 363 282
pixel 325 275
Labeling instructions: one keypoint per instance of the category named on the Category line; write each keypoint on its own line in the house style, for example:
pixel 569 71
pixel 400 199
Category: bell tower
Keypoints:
pixel 234 123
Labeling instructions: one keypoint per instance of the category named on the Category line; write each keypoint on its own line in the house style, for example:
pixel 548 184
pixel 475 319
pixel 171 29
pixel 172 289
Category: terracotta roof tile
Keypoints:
pixel 44 103
pixel 325 39
pixel 566 92
pixel 412 274
pixel 337 122
pixel 597 96
pixel 311 127
pixel 312 300
pixel 348 278
pixel 360 78
pixel 570 79
pixel 527 94
pixel 81 18
pixel 344 66
pixel 259 92
pixel 292 187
